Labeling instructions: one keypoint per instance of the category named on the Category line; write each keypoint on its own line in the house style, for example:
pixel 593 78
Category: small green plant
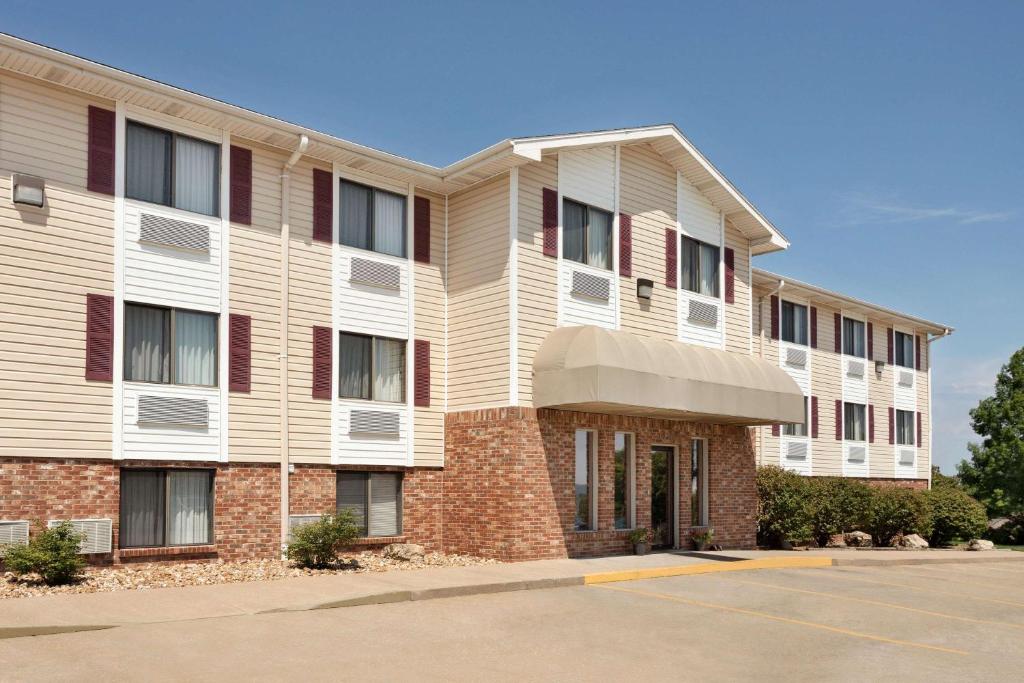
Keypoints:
pixel 955 516
pixel 783 509
pixel 837 506
pixel 51 553
pixel 316 545
pixel 640 535
pixel 897 512
pixel 702 537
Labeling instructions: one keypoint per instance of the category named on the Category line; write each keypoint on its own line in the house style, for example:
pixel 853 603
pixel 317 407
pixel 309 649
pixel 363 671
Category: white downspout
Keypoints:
pixel 760 344
pixel 931 429
pixel 283 331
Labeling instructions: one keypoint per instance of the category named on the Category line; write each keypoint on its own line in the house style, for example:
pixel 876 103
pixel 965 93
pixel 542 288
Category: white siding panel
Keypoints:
pixel 695 333
pixel 795 454
pixel 698 217
pixel 365 449
pixel 855 387
pixel 368 309
pixel 584 310
pixel 588 176
pixel 170 442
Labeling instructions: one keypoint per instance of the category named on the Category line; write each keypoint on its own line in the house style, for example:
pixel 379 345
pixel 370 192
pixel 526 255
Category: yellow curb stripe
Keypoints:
pixel 908 586
pixel 787 620
pixel 878 603
pixel 708 568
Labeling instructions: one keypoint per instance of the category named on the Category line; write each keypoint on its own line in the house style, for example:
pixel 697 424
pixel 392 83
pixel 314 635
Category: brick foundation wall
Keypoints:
pixel 508 485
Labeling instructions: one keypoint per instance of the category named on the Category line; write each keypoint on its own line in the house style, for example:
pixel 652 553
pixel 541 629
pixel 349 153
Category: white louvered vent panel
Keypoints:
pixel 367 272
pixel 796 450
pixel 13 533
pixel 591 286
pixel 906 456
pixel 173 232
pixel 855 368
pixel 373 422
pixel 98 534
pixel 295 521
pixel 857 454
pixel 702 313
pixel 796 357
pixel 173 410
pixel 906 378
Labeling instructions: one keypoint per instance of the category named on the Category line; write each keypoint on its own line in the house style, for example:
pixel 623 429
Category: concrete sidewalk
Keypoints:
pixel 65 613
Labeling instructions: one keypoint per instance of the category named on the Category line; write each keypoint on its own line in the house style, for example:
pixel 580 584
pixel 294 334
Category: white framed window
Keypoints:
pixel 166 508
pixel 905 427
pixel 371 219
pixel 371 368
pixel 699 482
pixel 375 500
pixel 903 354
pixel 854 422
pixel 794 323
pixel 797 429
pixel 170 346
pixel 171 169
pixel 585 480
pixel 699 267
pixel 625 486
pixel 586 234
pixel 854 338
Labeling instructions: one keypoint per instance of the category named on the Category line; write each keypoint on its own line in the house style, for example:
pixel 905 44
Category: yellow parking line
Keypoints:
pixel 708 568
pixel 787 620
pixel 879 603
pixel 837 575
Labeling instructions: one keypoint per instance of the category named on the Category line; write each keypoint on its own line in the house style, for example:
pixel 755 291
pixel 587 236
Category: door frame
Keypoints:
pixel 676 450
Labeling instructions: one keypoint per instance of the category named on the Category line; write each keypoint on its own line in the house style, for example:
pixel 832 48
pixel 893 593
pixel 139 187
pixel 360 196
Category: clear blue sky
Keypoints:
pixel 885 139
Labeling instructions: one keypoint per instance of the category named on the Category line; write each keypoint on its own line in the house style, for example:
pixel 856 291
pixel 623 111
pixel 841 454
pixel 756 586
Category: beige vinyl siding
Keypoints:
pixel 478 295
pixel 51 258
pixel 880 395
pixel 648 195
pixel 255 290
pixel 924 455
pixel 538 275
pixel 737 315
pixel 309 303
pixel 827 385
pixel 428 449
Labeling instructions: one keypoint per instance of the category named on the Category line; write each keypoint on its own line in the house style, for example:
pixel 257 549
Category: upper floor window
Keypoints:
pixel 700 267
pixel 371 368
pixel 854 422
pixel 904 349
pixel 799 429
pixel 854 341
pixel 169 346
pixel 162 167
pixel 905 427
pixel 794 323
pixel 586 234
pixel 371 219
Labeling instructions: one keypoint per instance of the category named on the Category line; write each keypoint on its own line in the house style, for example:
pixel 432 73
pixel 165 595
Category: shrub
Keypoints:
pixel 316 545
pixel 955 516
pixel 837 506
pixel 1010 532
pixel 895 511
pixel 783 511
pixel 52 554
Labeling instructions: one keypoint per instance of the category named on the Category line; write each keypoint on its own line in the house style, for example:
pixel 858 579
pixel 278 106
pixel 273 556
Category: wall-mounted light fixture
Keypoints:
pixel 879 367
pixel 27 189
pixel 644 288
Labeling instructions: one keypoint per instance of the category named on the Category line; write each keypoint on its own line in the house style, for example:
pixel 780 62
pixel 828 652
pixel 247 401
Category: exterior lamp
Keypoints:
pixel 27 189
pixel 879 367
pixel 644 288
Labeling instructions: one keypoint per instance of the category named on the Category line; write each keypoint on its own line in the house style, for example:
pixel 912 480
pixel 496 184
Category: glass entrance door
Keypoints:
pixel 663 496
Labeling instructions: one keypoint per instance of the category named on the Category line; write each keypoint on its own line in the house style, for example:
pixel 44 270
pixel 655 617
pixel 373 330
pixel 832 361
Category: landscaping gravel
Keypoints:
pixel 145 577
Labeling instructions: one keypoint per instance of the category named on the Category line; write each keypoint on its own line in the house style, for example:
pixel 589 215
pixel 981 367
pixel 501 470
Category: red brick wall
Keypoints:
pixel 508 485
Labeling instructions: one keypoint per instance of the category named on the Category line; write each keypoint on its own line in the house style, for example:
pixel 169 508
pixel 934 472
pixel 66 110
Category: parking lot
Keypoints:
pixel 936 622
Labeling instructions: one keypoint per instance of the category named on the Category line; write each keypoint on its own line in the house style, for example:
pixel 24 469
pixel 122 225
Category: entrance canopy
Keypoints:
pixel 592 369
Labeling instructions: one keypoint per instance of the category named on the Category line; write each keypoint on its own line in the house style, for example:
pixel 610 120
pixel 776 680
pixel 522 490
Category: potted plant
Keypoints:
pixel 641 540
pixel 701 537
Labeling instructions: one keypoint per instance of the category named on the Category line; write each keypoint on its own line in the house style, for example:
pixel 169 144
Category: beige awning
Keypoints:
pixel 607 371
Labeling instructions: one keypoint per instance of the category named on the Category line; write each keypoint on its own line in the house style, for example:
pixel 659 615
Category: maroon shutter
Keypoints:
pixel 871 423
pixel 839 420
pixel 892 425
pixel 871 341
pixel 99 337
pixel 730 276
pixel 775 430
pixel 671 258
pixel 421 382
pixel 241 185
pixel 421 230
pixel 917 351
pixel 839 333
pixel 920 433
pixel 625 245
pixel 239 353
pixel 814 417
pixel 775 316
pixel 814 327
pixel 550 222
pixel 100 175
pixel 889 352
pixel 323 205
pixel 322 362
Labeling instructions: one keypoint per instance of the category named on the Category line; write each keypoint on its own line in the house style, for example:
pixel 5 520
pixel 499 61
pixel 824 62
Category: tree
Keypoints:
pixel 995 473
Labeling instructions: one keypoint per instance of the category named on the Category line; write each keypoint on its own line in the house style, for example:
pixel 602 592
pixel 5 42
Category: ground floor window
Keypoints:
pixel 585 480
pixel 624 487
pixel 375 499
pixel 698 482
pixel 166 508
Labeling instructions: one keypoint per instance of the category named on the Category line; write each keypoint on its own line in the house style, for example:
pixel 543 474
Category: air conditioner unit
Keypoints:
pixel 13 533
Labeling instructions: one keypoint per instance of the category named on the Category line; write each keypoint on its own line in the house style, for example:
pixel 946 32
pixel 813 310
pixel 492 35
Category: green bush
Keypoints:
pixel 837 506
pixel 52 554
pixel 316 545
pixel 783 509
pixel 1009 533
pixel 955 516
pixel 895 511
